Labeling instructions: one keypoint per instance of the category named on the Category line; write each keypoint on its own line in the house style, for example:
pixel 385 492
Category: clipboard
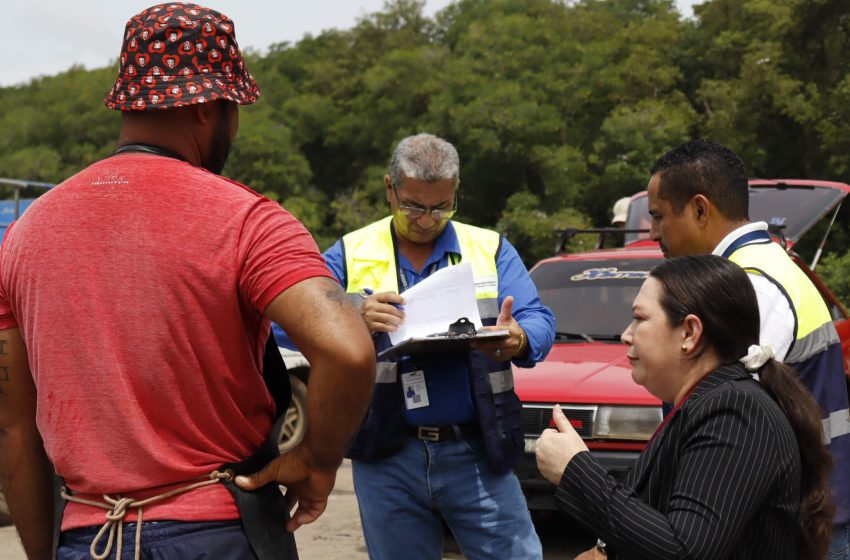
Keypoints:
pixel 439 343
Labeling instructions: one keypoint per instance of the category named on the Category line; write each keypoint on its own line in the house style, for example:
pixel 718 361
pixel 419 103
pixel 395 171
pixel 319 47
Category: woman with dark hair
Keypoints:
pixel 737 469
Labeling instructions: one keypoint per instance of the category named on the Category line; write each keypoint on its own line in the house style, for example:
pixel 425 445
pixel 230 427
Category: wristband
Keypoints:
pixel 521 341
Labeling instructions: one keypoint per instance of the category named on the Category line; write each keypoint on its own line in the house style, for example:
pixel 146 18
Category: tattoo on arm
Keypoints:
pixel 3 342
pixel 4 377
pixel 335 293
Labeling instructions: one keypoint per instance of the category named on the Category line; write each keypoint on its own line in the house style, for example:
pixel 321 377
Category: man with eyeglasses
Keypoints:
pixel 447 455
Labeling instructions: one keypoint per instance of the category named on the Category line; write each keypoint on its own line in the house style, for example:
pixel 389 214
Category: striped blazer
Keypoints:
pixel 720 481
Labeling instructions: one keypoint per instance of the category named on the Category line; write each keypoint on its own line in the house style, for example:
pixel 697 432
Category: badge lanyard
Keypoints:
pixel 419 395
pixel 400 275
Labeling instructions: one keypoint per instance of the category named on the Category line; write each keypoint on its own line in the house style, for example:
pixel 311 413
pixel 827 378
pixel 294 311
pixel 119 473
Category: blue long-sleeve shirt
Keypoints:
pixel 447 381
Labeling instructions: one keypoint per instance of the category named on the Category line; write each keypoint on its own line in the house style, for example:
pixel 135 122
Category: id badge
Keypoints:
pixel 415 391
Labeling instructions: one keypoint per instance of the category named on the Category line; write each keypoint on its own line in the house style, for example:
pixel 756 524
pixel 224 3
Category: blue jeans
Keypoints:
pixel 839 547
pixel 403 500
pixel 166 540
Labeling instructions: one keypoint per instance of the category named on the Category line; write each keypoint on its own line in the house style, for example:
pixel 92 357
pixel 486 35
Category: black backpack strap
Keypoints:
pixel 275 377
pixel 58 510
pixel 263 512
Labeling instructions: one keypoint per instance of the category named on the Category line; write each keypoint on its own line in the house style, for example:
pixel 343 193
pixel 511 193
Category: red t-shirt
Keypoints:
pixel 138 286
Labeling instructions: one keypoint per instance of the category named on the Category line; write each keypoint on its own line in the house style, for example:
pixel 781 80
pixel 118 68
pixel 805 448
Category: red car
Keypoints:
pixel 591 294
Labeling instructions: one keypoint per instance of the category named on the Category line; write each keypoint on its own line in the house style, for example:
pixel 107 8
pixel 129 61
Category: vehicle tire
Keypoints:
pixel 295 424
pixel 5 518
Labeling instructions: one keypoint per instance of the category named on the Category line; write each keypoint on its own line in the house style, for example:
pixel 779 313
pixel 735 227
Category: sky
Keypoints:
pixel 50 36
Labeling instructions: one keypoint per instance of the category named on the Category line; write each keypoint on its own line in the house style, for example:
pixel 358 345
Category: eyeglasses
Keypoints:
pixel 416 212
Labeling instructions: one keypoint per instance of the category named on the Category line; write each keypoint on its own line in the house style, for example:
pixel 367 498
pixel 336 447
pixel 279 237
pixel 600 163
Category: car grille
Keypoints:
pixel 535 419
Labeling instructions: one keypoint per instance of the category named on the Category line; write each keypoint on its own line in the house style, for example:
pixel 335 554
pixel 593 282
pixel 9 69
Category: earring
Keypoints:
pixel 684 347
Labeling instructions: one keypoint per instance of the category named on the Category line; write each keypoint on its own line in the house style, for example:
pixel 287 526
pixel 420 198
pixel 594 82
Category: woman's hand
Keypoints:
pixel 557 447
pixel 592 554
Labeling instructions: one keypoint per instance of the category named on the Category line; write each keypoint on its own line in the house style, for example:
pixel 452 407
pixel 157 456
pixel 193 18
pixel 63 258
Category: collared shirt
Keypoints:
pixel 449 391
pixel 776 316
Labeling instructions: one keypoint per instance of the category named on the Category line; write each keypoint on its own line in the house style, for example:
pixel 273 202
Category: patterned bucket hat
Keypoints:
pixel 180 54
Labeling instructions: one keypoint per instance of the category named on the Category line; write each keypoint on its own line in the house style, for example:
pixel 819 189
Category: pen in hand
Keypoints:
pixel 369 292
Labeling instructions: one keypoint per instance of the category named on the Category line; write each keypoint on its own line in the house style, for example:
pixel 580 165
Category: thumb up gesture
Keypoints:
pixel 556 447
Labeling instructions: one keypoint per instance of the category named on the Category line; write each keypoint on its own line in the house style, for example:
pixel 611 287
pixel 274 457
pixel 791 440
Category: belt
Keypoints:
pixel 445 433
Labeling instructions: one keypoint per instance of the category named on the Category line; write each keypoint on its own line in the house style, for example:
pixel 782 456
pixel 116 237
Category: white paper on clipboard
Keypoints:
pixel 438 301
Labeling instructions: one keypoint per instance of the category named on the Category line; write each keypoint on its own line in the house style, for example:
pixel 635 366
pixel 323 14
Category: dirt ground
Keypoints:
pixel 336 535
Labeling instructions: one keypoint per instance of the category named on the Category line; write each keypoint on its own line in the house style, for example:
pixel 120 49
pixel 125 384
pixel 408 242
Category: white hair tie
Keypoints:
pixel 757 356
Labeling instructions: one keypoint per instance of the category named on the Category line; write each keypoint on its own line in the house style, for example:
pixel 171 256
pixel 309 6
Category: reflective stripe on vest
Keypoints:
pixel 838 424
pixel 370 263
pixel 502 380
pixel 813 343
pixel 386 372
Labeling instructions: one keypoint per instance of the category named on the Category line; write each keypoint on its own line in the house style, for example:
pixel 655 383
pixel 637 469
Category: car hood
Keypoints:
pixel 582 373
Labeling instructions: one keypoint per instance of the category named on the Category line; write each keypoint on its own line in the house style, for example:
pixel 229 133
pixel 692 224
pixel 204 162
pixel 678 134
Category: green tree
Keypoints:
pixel 36 163
pixel 535 233
pixel 557 107
pixel 266 158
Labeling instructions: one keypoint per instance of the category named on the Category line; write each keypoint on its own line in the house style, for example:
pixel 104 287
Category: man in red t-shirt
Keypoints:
pixel 135 305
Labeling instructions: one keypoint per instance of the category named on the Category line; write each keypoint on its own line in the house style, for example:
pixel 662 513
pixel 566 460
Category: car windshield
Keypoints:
pixel 591 300
pixel 795 208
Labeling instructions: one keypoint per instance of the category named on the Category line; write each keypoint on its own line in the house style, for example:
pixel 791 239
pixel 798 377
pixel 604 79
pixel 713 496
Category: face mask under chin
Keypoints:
pixel 403 228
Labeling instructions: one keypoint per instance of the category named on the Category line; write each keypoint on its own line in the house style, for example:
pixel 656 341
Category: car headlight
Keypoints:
pixel 626 422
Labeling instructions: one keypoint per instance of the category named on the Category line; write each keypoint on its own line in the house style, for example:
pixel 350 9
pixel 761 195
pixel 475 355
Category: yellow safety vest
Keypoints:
pixel 813 330
pixel 370 261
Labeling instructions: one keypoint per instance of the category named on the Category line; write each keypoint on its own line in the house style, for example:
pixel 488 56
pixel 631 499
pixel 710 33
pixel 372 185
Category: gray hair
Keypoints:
pixel 425 157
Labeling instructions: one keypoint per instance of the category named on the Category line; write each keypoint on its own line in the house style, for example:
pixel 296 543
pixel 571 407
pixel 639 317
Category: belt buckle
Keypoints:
pixel 428 433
